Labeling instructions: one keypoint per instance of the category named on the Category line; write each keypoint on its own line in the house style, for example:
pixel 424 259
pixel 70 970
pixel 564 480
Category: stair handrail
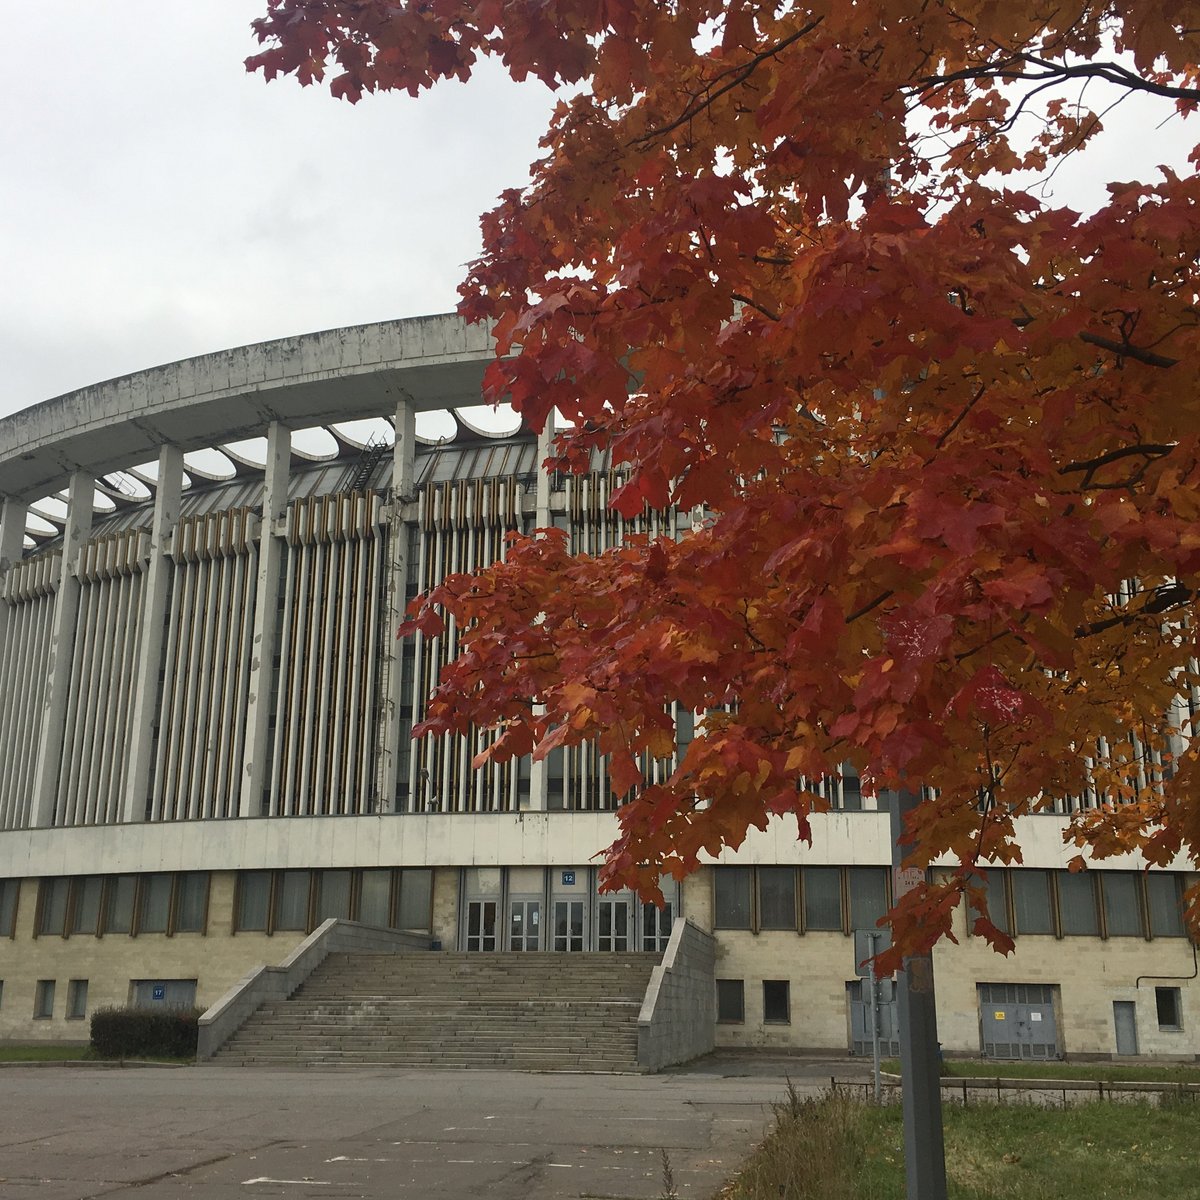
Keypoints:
pixel 261 984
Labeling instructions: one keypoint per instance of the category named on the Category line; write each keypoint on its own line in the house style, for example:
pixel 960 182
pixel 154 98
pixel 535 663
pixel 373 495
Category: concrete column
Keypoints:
pixel 168 495
pixel 266 632
pixel 12 536
pixel 543 519
pixel 80 501
pixel 403 489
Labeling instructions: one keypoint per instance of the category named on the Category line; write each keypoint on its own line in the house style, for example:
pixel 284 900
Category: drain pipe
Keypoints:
pixel 1193 975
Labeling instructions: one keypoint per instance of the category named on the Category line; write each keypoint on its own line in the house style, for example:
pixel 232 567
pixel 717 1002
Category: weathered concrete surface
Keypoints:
pixel 213 1133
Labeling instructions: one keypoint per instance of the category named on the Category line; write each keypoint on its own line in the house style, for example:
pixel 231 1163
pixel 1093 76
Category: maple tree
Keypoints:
pixel 786 265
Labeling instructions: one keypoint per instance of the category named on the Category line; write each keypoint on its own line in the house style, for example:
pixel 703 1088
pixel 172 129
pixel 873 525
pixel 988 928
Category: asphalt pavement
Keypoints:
pixel 219 1133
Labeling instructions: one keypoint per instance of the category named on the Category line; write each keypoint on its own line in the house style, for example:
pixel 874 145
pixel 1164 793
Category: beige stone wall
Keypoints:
pixel 1090 973
pixel 445 906
pixel 216 961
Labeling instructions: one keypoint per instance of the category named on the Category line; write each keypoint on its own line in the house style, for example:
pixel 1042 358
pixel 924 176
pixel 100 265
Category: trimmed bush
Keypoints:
pixel 145 1032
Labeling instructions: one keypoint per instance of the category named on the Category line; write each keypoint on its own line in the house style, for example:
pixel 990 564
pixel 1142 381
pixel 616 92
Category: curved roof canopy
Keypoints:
pixel 434 362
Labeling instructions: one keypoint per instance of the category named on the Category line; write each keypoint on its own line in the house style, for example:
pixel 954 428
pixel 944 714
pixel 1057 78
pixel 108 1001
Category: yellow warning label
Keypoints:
pixel 998 1016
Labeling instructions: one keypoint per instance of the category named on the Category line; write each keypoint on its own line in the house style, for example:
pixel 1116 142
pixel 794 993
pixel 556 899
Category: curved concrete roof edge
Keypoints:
pixel 434 362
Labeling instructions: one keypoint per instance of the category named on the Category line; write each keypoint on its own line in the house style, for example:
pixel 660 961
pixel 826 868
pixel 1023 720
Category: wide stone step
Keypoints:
pixel 538 1012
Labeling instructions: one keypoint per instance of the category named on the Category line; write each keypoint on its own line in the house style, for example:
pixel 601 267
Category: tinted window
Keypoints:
pixel 822 898
pixel 1122 914
pixel 254 894
pixel 868 896
pixel 1166 915
pixel 1077 905
pixel 776 1006
pixel 776 898
pixel 1031 901
pixel 732 898
pixel 731 1001
pixel 416 900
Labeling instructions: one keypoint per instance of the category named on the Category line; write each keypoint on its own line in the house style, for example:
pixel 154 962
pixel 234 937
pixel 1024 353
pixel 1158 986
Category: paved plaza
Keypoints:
pixel 223 1133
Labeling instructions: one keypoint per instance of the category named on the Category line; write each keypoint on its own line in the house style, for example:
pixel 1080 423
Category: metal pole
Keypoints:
pixel 924 1148
pixel 873 938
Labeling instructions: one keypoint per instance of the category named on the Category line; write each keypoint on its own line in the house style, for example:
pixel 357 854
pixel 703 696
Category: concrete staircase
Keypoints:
pixel 533 1012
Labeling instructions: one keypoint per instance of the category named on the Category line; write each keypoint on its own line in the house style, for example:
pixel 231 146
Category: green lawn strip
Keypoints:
pixel 840 1148
pixel 1150 1073
pixel 45 1052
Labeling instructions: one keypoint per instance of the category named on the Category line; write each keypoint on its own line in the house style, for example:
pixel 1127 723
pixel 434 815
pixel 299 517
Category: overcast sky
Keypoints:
pixel 156 201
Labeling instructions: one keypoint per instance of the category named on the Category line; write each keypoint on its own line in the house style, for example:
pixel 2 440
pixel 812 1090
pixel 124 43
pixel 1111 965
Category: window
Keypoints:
pixel 118 916
pixel 191 902
pixel 731 1001
pixel 1122 907
pixel 333 895
pixel 1168 1002
pixel 416 900
pixel 868 896
pixel 822 897
pixel 995 886
pixel 154 913
pixel 283 901
pixel 52 906
pixel 776 1002
pixel 291 900
pixel 254 900
pixel 1163 904
pixel 1077 914
pixel 732 888
pixel 43 1000
pixel 10 889
pixel 375 898
pixel 1031 901
pixel 88 892
pixel 77 991
pixel 776 898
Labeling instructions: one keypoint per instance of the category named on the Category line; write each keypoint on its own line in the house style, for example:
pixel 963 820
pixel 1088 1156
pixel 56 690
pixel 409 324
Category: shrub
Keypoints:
pixel 145 1032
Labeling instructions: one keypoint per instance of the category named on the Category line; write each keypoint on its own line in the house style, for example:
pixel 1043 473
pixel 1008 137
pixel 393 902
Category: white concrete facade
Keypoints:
pixel 201 693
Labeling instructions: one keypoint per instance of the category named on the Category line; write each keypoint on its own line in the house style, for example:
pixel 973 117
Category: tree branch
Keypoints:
pixel 740 75
pixel 1126 350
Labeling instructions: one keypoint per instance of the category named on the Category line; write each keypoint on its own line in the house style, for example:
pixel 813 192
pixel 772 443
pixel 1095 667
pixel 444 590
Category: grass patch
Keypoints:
pixel 1150 1073
pixel 838 1148
pixel 45 1052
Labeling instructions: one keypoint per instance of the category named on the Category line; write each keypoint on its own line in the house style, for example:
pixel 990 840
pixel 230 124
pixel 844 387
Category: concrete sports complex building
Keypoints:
pixel 205 716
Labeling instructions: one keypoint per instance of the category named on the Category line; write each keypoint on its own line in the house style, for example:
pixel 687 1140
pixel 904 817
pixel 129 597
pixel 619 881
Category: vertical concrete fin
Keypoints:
pixel 538 769
pixel 168 498
pixel 262 654
pixel 403 489
pixel 81 498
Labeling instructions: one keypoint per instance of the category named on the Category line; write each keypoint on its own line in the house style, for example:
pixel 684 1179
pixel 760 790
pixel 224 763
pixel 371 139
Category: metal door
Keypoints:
pixel 568 925
pixel 1125 1020
pixel 859 1000
pixel 524 924
pixel 1017 1020
pixel 481 924
pixel 612 923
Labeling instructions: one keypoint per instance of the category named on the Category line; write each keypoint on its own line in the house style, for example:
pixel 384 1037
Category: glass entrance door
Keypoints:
pixel 656 926
pixel 524 924
pixel 568 925
pixel 481 925
pixel 613 924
